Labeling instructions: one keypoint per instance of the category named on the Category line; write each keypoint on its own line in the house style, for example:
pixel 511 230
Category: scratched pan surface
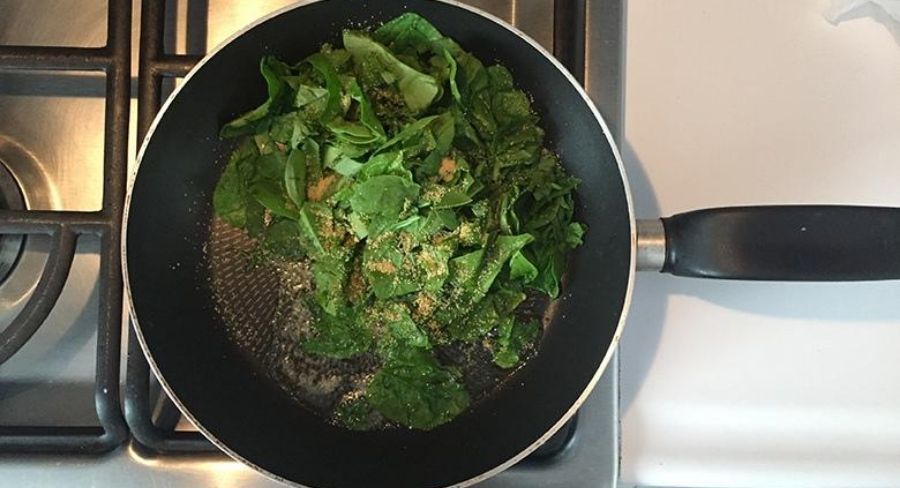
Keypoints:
pixel 189 288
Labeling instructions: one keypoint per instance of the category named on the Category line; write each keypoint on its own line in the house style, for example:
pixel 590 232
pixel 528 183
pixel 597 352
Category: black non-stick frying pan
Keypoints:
pixel 168 231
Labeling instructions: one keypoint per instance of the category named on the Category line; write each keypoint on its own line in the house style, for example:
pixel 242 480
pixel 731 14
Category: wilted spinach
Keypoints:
pixel 416 182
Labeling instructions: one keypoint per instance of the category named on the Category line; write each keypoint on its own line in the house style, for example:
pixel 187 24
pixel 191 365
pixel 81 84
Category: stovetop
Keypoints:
pixel 77 403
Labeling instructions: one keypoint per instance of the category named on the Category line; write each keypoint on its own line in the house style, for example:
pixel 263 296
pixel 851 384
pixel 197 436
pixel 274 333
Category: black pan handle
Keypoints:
pixel 784 243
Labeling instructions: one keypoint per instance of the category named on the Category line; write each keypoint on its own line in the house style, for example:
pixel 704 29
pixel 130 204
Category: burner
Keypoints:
pixel 23 186
pixel 11 245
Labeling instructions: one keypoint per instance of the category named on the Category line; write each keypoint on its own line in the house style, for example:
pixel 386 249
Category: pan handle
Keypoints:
pixel 783 243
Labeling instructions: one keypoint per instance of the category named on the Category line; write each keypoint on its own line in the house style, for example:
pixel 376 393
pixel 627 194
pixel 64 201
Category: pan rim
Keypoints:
pixel 626 304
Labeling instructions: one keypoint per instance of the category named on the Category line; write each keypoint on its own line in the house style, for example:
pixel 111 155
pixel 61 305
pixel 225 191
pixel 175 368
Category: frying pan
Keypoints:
pixel 169 230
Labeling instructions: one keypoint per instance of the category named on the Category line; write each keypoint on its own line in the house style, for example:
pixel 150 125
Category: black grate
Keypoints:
pixel 154 65
pixel 64 228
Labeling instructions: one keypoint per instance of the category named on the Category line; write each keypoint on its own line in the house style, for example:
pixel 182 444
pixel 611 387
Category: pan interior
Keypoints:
pixel 168 231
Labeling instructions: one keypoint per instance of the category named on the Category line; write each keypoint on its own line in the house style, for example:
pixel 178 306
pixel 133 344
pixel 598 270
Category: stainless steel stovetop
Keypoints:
pixel 52 142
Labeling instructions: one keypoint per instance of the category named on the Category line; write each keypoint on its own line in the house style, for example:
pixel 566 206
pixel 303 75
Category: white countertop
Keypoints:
pixel 760 384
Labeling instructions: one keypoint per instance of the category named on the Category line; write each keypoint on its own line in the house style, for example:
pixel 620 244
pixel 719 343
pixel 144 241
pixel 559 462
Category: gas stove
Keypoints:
pixel 80 83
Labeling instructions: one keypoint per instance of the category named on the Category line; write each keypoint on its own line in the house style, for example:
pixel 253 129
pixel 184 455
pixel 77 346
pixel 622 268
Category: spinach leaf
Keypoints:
pixel 433 264
pixel 443 130
pixel 520 268
pixel 387 268
pixel 380 201
pixel 271 196
pixel 346 166
pixel 503 248
pixel 314 98
pixel 289 128
pixel 341 335
pixel 512 339
pixel 332 85
pixel 390 163
pixel 331 272
pixel 474 311
pixel 313 161
pixel 413 389
pixel 433 222
pixel 485 314
pixel 273 71
pixel 418 89
pixel 358 137
pixel 295 176
pixel 412 36
pixel 401 331
pixel 395 268
pixel 408 33
pixel 464 268
pixel 355 414
pixel 232 201
pixel 454 69
pixel 366 114
pixel 282 237
pixel 411 131
pixel 308 235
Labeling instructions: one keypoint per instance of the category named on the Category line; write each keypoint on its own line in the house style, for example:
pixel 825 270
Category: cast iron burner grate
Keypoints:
pixel 11 245
pixel 64 229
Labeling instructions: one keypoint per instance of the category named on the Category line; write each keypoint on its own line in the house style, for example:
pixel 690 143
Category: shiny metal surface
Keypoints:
pixel 57 117
pixel 38 192
pixel 50 140
pixel 651 245
pixel 605 60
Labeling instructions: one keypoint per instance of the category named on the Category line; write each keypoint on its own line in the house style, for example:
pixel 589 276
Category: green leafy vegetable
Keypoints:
pixel 340 336
pixel 332 86
pixel 295 177
pixel 273 72
pixel 355 414
pixel 416 183
pixel 521 268
pixel 231 198
pixel 374 60
pixel 414 389
pixel 513 338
